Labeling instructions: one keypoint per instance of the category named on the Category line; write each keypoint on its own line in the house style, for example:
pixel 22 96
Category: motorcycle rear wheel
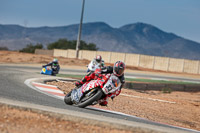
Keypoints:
pixel 95 95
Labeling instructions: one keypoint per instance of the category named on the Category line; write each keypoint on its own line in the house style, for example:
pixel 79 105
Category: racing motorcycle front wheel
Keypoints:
pixel 67 99
pixel 90 97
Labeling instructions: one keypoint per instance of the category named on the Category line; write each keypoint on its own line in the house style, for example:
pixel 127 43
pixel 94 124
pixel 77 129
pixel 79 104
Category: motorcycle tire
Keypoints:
pixel 94 96
pixel 67 99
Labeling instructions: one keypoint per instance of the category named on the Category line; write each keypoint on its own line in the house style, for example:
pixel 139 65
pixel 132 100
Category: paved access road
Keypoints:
pixel 12 87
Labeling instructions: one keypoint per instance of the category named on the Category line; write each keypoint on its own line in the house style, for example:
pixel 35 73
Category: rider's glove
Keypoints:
pixel 78 83
pixel 112 97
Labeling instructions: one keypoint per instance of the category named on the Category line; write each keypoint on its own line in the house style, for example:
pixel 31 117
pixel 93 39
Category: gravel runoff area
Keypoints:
pixel 175 108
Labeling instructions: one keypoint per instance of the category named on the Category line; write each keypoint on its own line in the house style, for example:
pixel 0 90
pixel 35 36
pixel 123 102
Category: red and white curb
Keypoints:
pixel 50 89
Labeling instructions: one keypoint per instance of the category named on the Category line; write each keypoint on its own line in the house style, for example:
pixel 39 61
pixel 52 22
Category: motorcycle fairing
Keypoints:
pixel 78 93
pixel 46 70
pixel 112 84
pixel 87 86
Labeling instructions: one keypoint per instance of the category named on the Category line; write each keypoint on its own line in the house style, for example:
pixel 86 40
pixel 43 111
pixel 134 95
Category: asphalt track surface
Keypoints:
pixel 128 75
pixel 12 87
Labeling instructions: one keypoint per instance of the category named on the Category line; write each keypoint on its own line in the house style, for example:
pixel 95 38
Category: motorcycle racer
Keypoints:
pixel 117 70
pixel 54 66
pixel 96 63
pixel 99 60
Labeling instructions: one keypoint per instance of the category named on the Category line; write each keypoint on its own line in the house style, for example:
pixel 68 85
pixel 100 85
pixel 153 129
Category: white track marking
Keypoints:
pixel 164 79
pixel 159 100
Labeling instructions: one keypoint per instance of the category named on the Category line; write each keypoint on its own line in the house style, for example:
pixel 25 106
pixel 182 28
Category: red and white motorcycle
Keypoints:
pixel 91 93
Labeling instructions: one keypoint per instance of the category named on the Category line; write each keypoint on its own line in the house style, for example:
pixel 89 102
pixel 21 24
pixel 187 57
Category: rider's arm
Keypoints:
pixel 88 77
pixel 58 67
pixel 85 79
pixel 122 79
pixel 108 69
pixel 115 93
pixel 49 64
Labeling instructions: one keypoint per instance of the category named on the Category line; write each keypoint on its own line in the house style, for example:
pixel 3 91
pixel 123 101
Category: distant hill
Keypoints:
pixel 139 38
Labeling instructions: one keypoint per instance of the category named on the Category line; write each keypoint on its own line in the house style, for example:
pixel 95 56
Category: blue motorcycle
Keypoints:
pixel 46 70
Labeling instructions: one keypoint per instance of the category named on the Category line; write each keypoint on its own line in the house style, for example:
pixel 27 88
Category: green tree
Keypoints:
pixel 61 44
pixel 30 48
pixel 65 44
pixel 4 48
pixel 85 46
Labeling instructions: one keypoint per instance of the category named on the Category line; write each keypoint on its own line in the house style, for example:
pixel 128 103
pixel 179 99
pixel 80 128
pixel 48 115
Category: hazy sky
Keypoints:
pixel 181 17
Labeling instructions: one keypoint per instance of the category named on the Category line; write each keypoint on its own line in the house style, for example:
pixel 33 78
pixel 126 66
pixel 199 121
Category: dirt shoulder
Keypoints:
pixel 19 120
